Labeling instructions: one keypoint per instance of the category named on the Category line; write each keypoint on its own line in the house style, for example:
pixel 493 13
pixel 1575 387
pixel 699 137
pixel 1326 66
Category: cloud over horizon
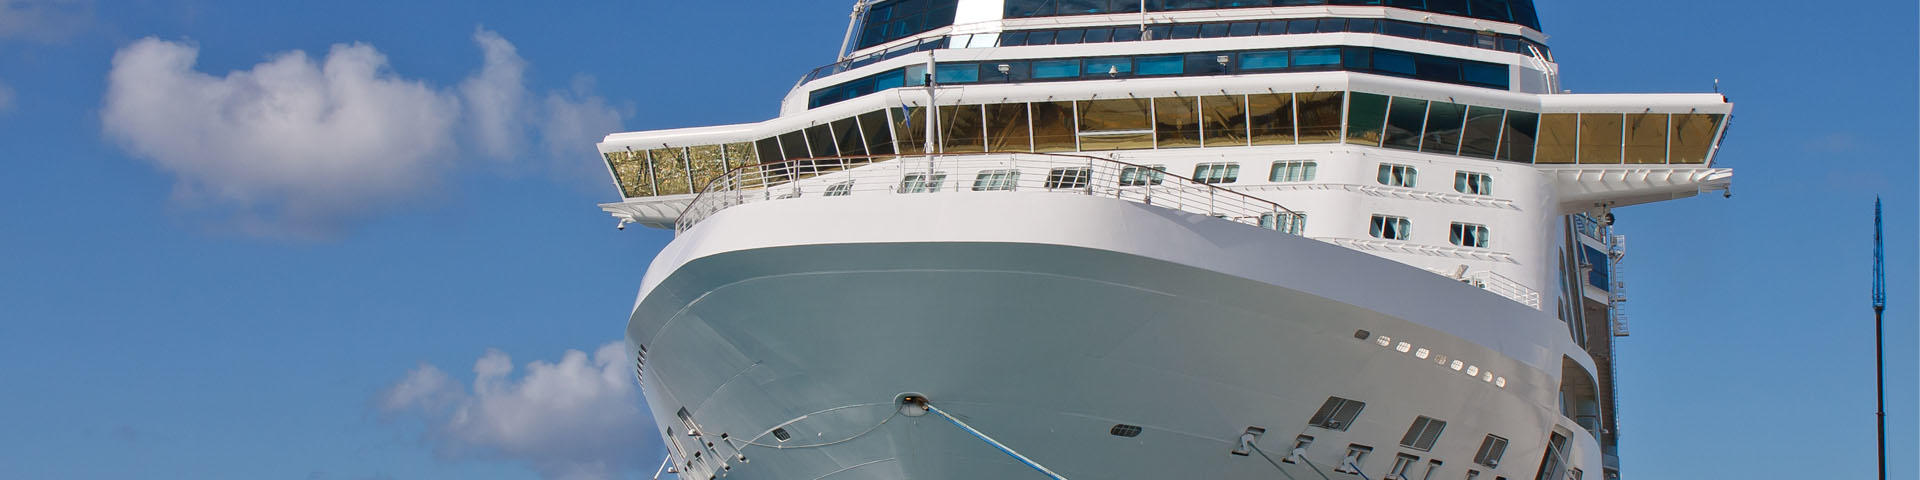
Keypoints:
pixel 579 419
pixel 305 147
pixel 45 21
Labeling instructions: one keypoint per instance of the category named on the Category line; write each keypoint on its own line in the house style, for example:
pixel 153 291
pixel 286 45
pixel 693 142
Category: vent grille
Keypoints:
pixel 1124 430
pixel 1337 414
pixel 1424 432
pixel 640 365
pixel 1491 450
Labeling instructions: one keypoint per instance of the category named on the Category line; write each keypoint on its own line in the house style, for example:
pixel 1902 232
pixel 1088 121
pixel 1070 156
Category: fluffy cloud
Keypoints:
pixel 304 146
pixel 579 419
pixel 315 141
pixel 44 20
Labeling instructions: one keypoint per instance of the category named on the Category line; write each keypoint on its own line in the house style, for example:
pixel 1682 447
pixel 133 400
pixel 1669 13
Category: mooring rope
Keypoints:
pixel 990 441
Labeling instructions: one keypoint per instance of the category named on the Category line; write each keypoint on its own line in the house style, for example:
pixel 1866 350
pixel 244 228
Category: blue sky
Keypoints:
pixel 187 295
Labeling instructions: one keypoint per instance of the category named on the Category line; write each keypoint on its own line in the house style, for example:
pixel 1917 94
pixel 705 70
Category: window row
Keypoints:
pixel 895 19
pixel 1356 59
pixel 1388 227
pixel 1417 31
pixel 1507 11
pixel 1555 138
pixel 1259 119
pixel 1294 223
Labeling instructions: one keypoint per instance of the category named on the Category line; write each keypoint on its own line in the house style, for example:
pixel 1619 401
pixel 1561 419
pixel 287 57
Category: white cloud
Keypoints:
pixel 495 96
pixel 295 146
pixel 44 20
pixel 312 141
pixel 579 419
pixel 575 121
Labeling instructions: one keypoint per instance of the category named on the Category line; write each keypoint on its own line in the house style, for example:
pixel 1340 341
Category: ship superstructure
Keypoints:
pixel 1160 239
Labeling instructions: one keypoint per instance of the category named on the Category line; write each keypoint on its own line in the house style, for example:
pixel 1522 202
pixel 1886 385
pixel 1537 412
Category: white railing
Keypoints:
pixel 1505 287
pixel 978 174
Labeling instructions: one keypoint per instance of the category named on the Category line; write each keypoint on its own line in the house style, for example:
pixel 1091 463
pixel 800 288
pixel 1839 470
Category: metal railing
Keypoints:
pixel 1503 286
pixel 975 173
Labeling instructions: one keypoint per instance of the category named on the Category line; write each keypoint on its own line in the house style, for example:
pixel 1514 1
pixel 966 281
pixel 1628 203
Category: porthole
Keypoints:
pixel 1124 430
pixel 781 434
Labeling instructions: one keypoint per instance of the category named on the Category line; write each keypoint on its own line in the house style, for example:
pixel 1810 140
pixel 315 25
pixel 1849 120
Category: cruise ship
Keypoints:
pixel 1126 239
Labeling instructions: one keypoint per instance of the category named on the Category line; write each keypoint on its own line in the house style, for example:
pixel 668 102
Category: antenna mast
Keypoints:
pixel 1879 354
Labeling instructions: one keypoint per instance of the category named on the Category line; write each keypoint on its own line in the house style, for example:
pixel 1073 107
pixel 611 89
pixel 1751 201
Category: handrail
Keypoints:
pixel 1046 172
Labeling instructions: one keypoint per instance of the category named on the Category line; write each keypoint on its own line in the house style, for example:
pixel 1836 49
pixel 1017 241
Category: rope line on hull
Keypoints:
pixel 990 441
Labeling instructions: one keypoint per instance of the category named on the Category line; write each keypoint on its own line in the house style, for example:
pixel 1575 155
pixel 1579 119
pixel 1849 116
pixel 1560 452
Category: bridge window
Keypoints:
pixel 1366 117
pixel 1008 129
pixel 962 129
pixel 1646 138
pixel 1223 120
pixel 1115 124
pixel 1445 122
pixel 1693 137
pixel 1271 118
pixel 1404 121
pixel 895 19
pixel 1600 137
pixel 1054 127
pixel 1176 122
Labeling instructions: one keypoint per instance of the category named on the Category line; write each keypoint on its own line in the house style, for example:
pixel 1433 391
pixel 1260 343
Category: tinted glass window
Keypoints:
pixel 1007 129
pixel 1213 30
pixel 1056 69
pixel 1316 57
pixel 1102 67
pixel 1099 35
pixel 1495 10
pixel 1319 116
pixel 1363 25
pixel 1263 60
pixel 1488 74
pixel 1482 134
pixel 1302 26
pixel 1124 34
pixel 1223 120
pixel 1271 118
pixel 957 73
pixel 879 134
pixel 1450 35
pixel 1600 137
pixel 1164 65
pixel 1646 138
pixel 962 130
pixel 1068 37
pixel 1243 29
pixel 1557 134
pixel 846 134
pixel 1332 25
pixel 670 171
pixel 1013 39
pixel 911 128
pixel 1042 37
pixel 1404 121
pixel 1366 117
pixel 1394 63
pixel 1693 137
pixel 1403 29
pixel 1053 127
pixel 820 137
pixel 1185 31
pixel 1176 122
pixel 1273 27
pixel 1444 124
pixel 769 150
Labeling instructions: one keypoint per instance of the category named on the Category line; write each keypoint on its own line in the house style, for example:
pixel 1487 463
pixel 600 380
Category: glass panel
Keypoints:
pixel 1263 60
pixel 1693 136
pixel 911 127
pixel 1007 129
pixel 707 165
pixel 1272 118
pixel 846 134
pixel 1124 34
pixel 1273 27
pixel 1056 69
pixel 1176 122
pixel 1444 122
pixel 1600 139
pixel 879 134
pixel 1185 31
pixel 1647 138
pixel 1557 133
pixel 1099 35
pixel 1104 67
pixel 670 170
pixel 1243 29
pixel 1161 65
pixel 1516 144
pixel 1482 135
pixel 1316 57
pixel 820 137
pixel 1213 30
pixel 630 171
pixel 956 73
pixel 1130 114
pixel 1225 120
pixel 793 144
pixel 962 130
pixel 1366 117
pixel 1111 141
pixel 1320 116
pixel 1305 25
pixel 1053 127
pixel 1393 62
pixel 769 150
pixel 1069 37
pixel 1404 121
pixel 740 156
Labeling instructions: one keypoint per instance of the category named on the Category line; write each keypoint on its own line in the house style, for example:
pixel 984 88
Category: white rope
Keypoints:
pixel 990 441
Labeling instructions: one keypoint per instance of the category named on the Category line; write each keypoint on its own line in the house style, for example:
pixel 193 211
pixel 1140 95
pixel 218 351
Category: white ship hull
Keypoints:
pixel 1044 320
